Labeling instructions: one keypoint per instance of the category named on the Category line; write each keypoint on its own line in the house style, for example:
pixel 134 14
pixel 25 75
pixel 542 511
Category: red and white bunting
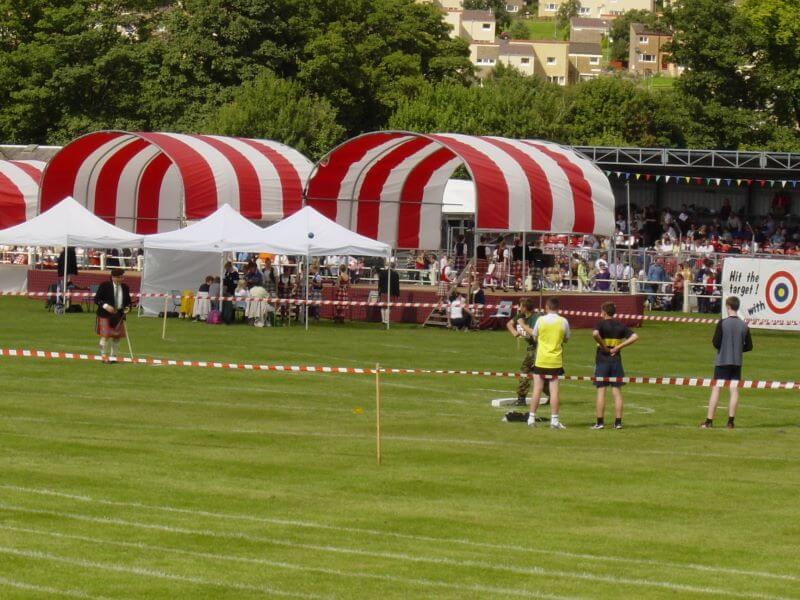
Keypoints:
pixel 389 185
pixel 150 182
pixel 19 190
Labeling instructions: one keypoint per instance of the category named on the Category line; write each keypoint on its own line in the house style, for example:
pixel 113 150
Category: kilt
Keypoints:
pixel 516 270
pixel 500 273
pixel 481 266
pixel 460 263
pixel 342 295
pixel 444 289
pixel 105 329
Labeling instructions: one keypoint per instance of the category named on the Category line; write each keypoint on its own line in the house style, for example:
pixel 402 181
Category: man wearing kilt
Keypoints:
pixel 517 271
pixel 342 294
pixel 113 300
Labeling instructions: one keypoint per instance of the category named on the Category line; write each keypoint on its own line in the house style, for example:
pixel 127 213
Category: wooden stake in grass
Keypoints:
pixel 164 328
pixel 378 411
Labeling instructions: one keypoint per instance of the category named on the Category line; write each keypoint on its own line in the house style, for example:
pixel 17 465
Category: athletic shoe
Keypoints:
pixel 705 425
pixel 104 359
pixel 598 426
pixel 520 402
pixel 729 426
pixel 531 422
pixel 617 425
pixel 558 425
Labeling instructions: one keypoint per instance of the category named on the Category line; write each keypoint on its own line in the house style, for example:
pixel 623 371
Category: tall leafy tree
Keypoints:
pixel 279 109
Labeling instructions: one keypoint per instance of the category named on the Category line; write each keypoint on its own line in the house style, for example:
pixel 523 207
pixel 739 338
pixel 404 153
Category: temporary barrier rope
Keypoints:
pixel 441 305
pixel 673 381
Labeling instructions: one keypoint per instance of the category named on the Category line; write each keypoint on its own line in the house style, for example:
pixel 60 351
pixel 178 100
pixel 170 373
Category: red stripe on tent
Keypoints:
pixel 541 194
pixel 324 185
pixel 408 227
pixel 581 191
pixel 105 197
pixel 291 185
pixel 30 170
pixel 148 195
pixel 491 188
pixel 246 177
pixel 12 203
pixel 369 195
pixel 199 184
pixel 62 170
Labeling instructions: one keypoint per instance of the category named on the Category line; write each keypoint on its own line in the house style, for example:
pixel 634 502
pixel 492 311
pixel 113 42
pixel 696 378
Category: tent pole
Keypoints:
pixel 389 290
pixel 307 269
pixel 66 269
pixel 524 261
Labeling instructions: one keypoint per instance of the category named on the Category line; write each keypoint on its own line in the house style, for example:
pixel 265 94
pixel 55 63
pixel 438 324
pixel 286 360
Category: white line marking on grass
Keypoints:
pixel 117 568
pixel 294 566
pixel 30 587
pixel 646 410
pixel 383 533
pixel 332 435
pixel 416 558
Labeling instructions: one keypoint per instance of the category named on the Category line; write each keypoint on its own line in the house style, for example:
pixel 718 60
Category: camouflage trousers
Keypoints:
pixel 524 386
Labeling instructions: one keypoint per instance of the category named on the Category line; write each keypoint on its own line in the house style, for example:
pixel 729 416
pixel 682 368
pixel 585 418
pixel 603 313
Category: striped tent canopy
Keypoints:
pixel 19 190
pixel 389 185
pixel 153 182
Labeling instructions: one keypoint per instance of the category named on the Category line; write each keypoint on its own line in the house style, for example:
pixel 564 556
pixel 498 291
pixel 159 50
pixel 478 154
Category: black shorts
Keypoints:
pixel 608 368
pixel 728 372
pixel 547 372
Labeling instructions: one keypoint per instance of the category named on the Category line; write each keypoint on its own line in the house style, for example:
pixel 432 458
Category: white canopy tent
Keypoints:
pixel 181 259
pixel 69 224
pixel 308 233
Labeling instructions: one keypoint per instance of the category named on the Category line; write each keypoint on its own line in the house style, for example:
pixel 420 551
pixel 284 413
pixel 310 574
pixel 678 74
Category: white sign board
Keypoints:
pixel 768 289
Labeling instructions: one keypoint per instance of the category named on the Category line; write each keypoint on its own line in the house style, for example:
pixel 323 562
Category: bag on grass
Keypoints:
pixel 214 317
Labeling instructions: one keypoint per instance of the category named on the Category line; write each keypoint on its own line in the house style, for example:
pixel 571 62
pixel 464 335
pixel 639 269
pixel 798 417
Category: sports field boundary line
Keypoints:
pixel 466 564
pixel 209 364
pixel 43 589
pixel 383 533
pixel 296 567
pixel 140 571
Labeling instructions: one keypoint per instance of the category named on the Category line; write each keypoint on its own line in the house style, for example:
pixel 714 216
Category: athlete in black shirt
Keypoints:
pixel 611 337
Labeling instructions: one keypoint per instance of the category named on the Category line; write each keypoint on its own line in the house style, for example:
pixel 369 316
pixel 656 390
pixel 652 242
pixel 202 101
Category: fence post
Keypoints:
pixel 686 286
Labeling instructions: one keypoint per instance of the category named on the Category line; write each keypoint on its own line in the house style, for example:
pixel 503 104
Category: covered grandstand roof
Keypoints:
pixel 19 190
pixel 151 182
pixel 389 186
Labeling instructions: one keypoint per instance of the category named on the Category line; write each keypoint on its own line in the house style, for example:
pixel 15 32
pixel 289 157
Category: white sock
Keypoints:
pixel 531 418
pixel 103 347
pixel 554 418
pixel 114 348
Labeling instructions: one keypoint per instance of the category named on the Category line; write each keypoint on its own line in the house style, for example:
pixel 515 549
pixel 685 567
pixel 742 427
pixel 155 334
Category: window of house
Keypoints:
pixel 525 60
pixel 584 10
pixel 551 60
pixel 643 39
pixel 559 79
pixel 594 60
pixel 512 8
pixel 486 25
pixel 551 7
pixel 485 61
pixel 648 58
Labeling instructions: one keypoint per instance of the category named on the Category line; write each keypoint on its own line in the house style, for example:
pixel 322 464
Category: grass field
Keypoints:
pixel 540 29
pixel 164 482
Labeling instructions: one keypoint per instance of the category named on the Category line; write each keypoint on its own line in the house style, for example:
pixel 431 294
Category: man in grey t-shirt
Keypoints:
pixel 731 339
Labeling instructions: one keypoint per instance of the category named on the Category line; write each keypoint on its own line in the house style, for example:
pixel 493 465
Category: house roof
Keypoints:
pixel 486 50
pixel 477 15
pixel 516 48
pixel 586 23
pixel 592 49
pixel 642 29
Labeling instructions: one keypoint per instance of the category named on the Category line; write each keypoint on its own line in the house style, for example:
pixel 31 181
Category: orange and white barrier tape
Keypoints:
pixel 442 305
pixel 674 381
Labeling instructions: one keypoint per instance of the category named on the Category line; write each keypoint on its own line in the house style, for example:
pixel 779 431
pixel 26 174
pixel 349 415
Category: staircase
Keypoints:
pixel 437 318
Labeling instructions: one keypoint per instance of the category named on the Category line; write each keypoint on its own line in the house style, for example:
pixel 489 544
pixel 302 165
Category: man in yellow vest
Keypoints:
pixel 551 332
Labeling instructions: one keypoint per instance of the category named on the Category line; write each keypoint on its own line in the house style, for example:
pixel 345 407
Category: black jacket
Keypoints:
pixel 383 282
pixel 72 263
pixel 105 295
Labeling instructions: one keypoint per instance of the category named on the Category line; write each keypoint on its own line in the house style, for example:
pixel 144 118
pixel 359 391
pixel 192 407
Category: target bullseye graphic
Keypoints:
pixel 781 292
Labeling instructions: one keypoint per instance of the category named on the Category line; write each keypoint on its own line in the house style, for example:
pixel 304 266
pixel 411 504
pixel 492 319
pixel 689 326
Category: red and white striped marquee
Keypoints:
pixel 19 190
pixel 389 185
pixel 151 182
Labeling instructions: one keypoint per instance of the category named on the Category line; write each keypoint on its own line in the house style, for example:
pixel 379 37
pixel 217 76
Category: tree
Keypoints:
pixel 519 31
pixel 774 29
pixel 621 27
pixel 566 11
pixel 279 109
